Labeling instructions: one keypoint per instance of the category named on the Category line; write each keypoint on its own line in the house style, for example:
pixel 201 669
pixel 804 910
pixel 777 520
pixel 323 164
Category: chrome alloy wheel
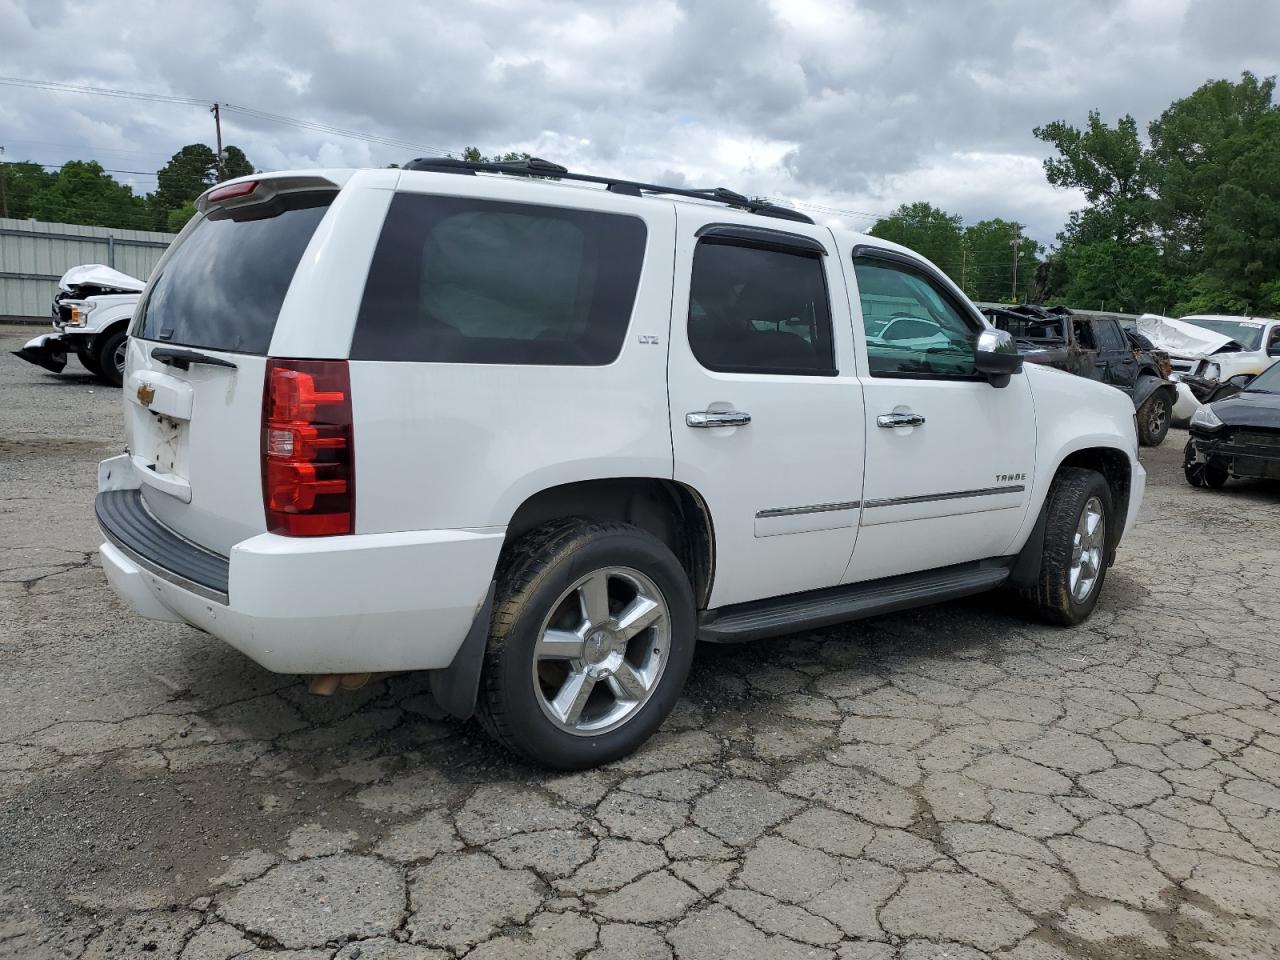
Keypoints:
pixel 1087 549
pixel 121 351
pixel 601 651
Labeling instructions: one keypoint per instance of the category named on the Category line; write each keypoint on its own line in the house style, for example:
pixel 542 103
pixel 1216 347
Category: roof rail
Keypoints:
pixel 545 169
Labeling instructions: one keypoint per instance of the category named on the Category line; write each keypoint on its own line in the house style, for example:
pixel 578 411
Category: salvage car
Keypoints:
pixel 1237 437
pixel 538 432
pixel 1215 356
pixel 91 313
pixel 1098 348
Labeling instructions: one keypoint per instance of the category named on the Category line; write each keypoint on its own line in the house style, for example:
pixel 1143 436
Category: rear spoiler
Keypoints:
pixel 255 189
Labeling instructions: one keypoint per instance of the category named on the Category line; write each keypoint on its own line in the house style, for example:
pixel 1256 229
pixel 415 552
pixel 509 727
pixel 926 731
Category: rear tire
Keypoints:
pixel 110 356
pixel 1076 545
pixel 88 359
pixel 1154 417
pixel 565 682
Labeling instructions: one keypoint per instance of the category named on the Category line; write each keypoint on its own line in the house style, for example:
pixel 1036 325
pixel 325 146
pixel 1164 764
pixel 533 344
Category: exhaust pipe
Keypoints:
pixel 326 684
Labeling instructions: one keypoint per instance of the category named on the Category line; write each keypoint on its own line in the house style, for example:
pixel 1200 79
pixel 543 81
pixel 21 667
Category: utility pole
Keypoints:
pixel 1017 227
pixel 4 192
pixel 964 263
pixel 217 123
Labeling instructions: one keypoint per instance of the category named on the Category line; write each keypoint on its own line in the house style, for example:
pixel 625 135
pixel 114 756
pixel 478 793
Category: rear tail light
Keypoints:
pixel 308 458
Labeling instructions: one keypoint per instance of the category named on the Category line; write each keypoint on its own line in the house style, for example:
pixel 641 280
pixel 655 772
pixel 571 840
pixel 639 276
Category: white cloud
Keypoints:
pixel 847 105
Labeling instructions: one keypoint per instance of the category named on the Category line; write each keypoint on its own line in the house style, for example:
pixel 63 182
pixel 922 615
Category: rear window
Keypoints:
pixel 456 280
pixel 222 287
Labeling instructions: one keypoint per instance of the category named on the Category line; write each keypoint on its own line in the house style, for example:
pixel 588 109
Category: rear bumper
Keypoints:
pixel 356 604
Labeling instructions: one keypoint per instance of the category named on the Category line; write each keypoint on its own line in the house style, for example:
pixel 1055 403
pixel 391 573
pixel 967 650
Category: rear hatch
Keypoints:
pixel 197 358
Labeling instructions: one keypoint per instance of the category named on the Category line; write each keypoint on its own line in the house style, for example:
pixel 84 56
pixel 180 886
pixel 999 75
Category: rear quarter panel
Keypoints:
pixel 449 445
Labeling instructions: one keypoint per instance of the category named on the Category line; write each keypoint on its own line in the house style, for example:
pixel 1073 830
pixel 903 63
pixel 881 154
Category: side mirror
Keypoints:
pixel 1273 349
pixel 996 357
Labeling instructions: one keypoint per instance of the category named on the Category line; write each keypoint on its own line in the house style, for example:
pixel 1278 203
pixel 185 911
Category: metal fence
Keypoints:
pixel 35 255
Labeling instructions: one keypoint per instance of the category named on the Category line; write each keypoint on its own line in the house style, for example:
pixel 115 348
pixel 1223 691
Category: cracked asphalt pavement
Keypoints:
pixel 946 783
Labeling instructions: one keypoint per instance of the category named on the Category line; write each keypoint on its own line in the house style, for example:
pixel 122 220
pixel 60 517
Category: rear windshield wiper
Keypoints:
pixel 183 359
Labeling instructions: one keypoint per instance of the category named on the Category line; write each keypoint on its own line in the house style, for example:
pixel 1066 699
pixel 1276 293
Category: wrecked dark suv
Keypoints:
pixel 1098 348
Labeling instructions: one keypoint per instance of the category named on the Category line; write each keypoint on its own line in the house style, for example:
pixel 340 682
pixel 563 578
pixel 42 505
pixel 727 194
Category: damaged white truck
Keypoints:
pixel 1213 356
pixel 91 314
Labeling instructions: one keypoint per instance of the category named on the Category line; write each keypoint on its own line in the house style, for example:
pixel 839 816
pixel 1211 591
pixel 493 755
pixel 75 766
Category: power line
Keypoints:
pixel 311 125
pixel 59 166
pixel 97 91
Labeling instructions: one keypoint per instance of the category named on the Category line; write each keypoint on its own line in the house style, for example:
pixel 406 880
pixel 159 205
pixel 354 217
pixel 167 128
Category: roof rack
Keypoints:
pixel 545 169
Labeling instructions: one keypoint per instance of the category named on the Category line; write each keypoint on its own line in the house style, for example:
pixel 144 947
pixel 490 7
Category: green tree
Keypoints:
pixel 473 155
pixel 1241 260
pixel 190 172
pixel 930 232
pixel 81 192
pixel 988 261
pixel 19 184
pixel 1194 144
pixel 175 220
pixel 235 163
pixel 1108 164
pixel 1110 275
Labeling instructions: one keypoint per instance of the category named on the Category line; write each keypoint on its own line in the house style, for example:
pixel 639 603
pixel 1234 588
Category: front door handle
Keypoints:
pixel 891 420
pixel 717 418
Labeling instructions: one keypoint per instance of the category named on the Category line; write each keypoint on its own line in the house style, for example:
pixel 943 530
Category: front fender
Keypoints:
pixel 1147 385
pixel 105 317
pixel 1073 415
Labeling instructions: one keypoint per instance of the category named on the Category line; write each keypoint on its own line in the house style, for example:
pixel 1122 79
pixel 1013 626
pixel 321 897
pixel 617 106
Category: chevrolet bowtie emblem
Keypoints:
pixel 146 393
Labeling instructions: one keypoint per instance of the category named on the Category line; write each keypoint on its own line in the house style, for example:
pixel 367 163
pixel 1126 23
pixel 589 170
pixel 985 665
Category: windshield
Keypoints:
pixel 223 285
pixel 1247 333
pixel 1266 382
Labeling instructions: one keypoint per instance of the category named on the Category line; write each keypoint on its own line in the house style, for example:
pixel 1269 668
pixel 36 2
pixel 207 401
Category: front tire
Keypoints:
pixel 590 643
pixel 110 350
pixel 1154 417
pixel 88 358
pixel 1199 474
pixel 1076 544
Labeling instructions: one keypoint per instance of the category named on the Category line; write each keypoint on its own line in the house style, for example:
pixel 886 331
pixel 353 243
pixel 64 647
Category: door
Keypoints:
pixel 950 458
pixel 766 413
pixel 1120 367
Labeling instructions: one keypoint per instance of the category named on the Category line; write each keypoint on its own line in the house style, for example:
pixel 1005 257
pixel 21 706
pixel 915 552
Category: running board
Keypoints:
pixel 820 608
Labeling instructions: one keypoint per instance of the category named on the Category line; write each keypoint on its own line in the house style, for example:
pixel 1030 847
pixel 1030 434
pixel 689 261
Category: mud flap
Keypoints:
pixel 455 687
pixel 48 351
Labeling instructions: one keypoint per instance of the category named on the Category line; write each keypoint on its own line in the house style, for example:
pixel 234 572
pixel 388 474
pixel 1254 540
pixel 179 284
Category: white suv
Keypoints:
pixel 537 433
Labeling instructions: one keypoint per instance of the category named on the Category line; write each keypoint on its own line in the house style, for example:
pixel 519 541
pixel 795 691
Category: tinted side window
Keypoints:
pixel 456 280
pixel 759 311
pixel 222 287
pixel 912 328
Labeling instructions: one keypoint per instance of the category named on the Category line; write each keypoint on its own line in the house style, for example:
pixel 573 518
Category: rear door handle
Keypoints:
pixel 717 418
pixel 891 420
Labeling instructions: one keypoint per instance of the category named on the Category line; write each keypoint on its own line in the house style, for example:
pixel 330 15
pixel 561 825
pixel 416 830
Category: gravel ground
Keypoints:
pixel 947 783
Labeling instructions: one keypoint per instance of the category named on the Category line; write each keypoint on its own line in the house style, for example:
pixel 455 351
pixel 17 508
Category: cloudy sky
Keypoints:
pixel 848 106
